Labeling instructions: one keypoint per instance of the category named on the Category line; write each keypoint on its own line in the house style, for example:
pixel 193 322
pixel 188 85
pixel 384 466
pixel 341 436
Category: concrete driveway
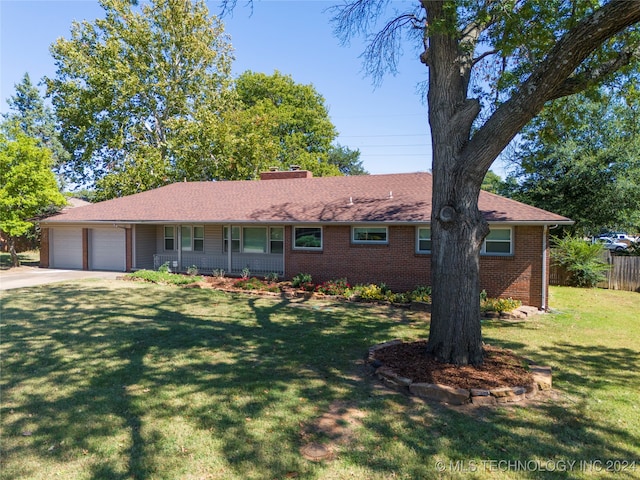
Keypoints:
pixel 31 276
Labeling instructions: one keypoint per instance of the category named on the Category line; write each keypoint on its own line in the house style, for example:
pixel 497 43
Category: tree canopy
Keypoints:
pixel 145 97
pixel 131 89
pixel 581 158
pixel 492 66
pixel 276 123
pixel 27 185
pixel 29 114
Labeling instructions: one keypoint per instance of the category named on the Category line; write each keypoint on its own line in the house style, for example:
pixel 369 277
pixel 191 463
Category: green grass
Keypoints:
pixel 31 259
pixel 122 380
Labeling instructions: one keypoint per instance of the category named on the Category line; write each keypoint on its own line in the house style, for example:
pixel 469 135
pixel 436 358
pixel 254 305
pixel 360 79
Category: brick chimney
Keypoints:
pixel 294 172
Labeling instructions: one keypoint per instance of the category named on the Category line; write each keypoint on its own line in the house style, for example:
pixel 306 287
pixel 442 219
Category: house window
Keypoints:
pixel 235 239
pixel 185 236
pixel 254 240
pixel 308 238
pixel 198 239
pixel 169 238
pixel 423 242
pixel 369 235
pixel 498 242
pixel 276 240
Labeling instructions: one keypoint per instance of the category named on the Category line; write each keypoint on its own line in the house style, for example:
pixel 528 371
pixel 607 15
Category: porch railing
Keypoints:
pixel 256 263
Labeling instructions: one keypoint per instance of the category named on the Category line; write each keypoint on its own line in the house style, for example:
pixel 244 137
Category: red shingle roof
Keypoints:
pixel 394 198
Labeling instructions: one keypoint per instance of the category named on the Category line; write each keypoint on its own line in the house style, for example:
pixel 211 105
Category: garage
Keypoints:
pixel 65 248
pixel 107 249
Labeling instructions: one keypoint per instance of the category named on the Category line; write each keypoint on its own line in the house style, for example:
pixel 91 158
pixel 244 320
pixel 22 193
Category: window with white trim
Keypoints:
pixel 235 239
pixel 276 240
pixel 255 239
pixel 169 238
pixel 370 235
pixel 192 238
pixel 307 238
pixel 423 240
pixel 198 239
pixel 499 241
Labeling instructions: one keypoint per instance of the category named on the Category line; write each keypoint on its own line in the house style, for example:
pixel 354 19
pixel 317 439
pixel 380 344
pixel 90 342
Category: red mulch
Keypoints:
pixel 501 368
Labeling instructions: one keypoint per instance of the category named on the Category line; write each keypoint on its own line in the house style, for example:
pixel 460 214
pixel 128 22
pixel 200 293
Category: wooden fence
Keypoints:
pixel 624 273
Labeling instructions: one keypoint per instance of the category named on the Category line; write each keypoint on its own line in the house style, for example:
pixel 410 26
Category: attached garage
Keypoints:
pixel 107 249
pixel 65 249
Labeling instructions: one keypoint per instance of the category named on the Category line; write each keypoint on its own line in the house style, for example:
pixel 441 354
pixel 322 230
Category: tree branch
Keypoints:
pixel 545 81
pixel 578 83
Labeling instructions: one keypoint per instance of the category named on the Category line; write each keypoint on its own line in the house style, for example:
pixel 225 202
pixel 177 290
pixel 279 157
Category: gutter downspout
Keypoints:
pixel 544 267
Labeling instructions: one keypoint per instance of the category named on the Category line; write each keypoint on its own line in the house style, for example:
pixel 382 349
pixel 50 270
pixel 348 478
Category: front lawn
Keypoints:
pixel 124 380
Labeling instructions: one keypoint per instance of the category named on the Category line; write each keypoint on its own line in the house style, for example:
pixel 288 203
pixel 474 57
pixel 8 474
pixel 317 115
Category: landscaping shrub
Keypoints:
pixel 499 305
pixel 303 281
pixel 255 283
pixel 337 287
pixel 421 293
pixel 582 260
pixel 163 276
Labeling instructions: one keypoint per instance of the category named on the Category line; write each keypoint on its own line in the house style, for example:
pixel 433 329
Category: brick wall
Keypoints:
pixel 44 248
pixel 397 264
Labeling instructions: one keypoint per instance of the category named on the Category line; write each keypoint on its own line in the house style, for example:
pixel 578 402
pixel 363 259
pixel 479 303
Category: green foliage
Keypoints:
pixel 272 277
pixel 337 287
pixel 137 89
pixel 421 294
pixel 163 276
pixel 581 158
pixel 347 160
pixel 164 268
pixel 219 273
pixel 246 273
pixel 276 123
pixel 192 270
pixel 28 187
pixel 301 279
pixel 582 260
pixel 29 114
pixel 499 305
pixel 254 283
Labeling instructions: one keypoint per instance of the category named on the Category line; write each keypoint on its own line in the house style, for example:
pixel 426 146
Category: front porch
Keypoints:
pixel 257 264
pixel 210 248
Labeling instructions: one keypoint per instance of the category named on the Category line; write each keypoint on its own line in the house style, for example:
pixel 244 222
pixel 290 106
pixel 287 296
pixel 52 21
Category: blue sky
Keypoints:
pixel 388 124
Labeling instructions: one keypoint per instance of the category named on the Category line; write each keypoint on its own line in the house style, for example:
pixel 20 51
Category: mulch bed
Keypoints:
pixel 501 368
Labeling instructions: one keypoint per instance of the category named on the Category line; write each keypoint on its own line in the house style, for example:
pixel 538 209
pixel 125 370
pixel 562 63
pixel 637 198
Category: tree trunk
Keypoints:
pixel 457 232
pixel 457 227
pixel 15 260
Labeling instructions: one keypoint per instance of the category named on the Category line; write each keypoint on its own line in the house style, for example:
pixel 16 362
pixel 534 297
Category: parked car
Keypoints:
pixel 612 244
pixel 621 237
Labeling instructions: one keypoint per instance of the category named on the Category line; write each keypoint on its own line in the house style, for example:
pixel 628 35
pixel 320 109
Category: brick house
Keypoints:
pixel 370 228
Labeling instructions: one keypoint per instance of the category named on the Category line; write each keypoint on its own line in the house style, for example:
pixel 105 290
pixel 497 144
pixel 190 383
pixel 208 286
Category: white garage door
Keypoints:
pixel 66 248
pixel 107 249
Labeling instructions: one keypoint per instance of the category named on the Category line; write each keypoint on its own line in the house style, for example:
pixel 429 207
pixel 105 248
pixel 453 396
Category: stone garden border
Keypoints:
pixel 459 396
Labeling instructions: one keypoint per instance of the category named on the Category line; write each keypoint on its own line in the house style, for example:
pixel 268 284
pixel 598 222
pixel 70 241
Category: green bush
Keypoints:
pixel 582 260
pixel 421 293
pixel 300 279
pixel 499 305
pixel 164 277
pixel 254 283
pixel 334 287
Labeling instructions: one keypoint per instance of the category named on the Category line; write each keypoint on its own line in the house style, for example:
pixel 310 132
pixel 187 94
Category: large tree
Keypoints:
pixel 581 158
pixel 275 122
pixel 28 113
pixel 132 88
pixel 492 66
pixel 27 186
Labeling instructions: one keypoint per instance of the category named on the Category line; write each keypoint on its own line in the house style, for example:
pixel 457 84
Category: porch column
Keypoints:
pixel 229 248
pixel 179 239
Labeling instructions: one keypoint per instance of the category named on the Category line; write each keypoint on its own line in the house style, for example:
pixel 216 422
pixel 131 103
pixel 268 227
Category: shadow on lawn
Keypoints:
pixel 110 381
